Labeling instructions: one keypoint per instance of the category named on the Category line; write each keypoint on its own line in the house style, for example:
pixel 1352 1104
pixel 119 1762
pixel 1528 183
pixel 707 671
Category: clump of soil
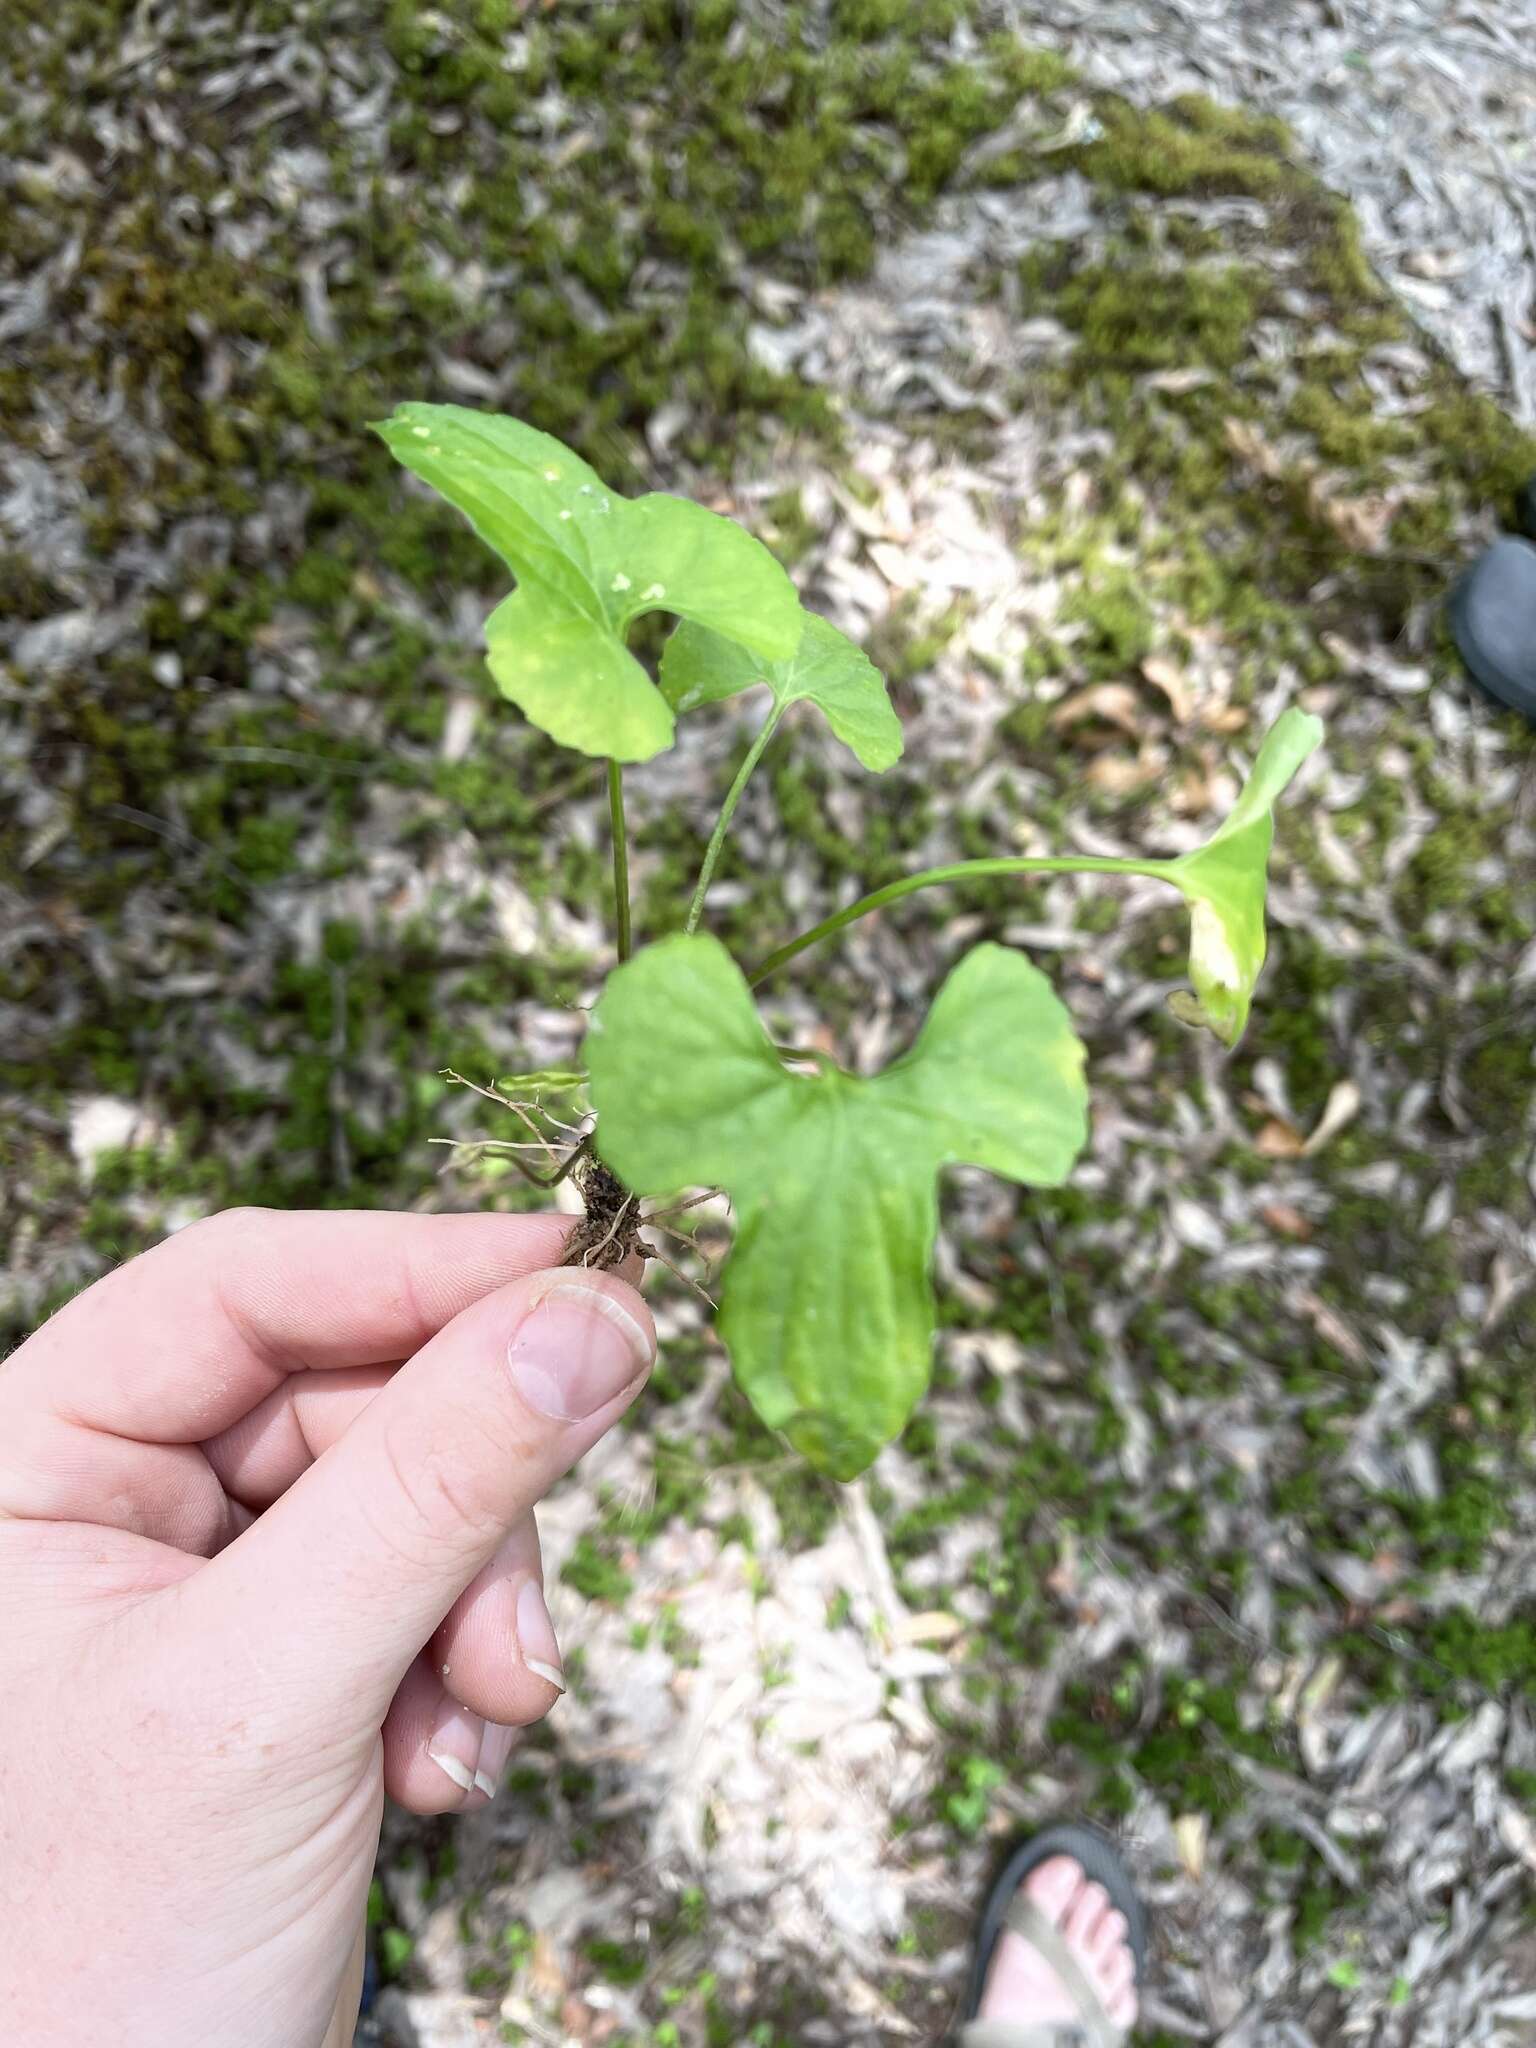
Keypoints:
pixel 609 1232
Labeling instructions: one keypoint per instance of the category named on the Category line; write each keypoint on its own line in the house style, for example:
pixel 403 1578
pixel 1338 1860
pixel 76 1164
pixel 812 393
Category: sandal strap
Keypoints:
pixel 1026 1920
pixel 1019 2034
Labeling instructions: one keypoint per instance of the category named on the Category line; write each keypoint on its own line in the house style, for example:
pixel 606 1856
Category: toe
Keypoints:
pixel 1111 1973
pixel 1081 1925
pixel 1054 1886
pixel 1116 1973
pixel 1122 2008
pixel 1113 1929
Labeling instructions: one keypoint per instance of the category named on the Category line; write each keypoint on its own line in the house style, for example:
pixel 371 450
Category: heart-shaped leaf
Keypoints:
pixel 827 1307
pixel 699 666
pixel 1224 882
pixel 588 562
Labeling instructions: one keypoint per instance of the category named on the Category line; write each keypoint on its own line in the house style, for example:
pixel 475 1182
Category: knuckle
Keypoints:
pixel 216 1239
pixel 232 1224
pixel 224 1223
pixel 416 1295
pixel 437 1505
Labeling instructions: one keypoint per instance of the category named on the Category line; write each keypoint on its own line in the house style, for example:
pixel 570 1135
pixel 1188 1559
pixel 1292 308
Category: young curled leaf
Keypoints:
pixel 699 666
pixel 827 1307
pixel 588 562
pixel 1224 883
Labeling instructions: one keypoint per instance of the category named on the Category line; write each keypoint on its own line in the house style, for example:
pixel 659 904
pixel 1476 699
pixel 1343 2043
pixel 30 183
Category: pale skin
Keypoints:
pixel 1022 1986
pixel 267 1553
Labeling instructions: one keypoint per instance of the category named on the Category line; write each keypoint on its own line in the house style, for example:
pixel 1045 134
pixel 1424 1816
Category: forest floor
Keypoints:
pixel 1094 420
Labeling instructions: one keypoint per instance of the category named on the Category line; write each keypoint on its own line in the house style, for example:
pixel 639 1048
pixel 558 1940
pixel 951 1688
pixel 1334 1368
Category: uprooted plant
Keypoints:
pixel 827 1307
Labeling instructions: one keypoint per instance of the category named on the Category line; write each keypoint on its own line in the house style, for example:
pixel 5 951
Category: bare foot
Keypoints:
pixel 1022 1986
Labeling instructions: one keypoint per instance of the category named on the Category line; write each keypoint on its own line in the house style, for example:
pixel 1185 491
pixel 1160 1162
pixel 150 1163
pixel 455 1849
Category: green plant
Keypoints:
pixel 827 1307
pixel 971 1801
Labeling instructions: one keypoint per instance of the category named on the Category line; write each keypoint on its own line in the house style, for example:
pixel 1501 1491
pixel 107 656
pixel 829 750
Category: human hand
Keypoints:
pixel 230 1520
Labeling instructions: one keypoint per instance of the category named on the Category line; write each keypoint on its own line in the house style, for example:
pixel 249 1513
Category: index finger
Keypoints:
pixel 182 1341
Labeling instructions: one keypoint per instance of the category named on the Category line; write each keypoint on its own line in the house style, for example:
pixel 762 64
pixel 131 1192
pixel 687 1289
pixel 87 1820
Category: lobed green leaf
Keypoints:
pixel 827 1308
pixel 1224 882
pixel 588 562
pixel 700 666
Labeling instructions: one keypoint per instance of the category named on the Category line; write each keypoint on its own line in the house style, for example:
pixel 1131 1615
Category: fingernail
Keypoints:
pixel 536 1636
pixel 494 1751
pixel 576 1349
pixel 456 1744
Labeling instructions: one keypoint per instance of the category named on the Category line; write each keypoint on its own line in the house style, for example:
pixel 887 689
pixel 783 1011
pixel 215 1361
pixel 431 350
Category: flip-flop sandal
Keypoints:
pixel 1008 1908
pixel 1492 616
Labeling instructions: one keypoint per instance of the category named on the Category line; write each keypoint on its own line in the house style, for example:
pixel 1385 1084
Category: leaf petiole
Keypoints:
pixel 620 859
pixel 1222 881
pixel 727 810
pixel 959 871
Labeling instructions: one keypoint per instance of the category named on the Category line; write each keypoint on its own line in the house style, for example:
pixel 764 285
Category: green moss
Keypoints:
pixel 1297 1032
pixel 1455 1657
pixel 1192 148
pixel 787 529
pixel 1456 867
pixel 1136 314
pixel 1121 630
pixel 594 1572
pixel 618 1962
pixel 1319 1907
pixel 1186 1754
pixel 1477 444
pixel 1454 1532
pixel 1344 427
pixel 894 823
pixel 1338 267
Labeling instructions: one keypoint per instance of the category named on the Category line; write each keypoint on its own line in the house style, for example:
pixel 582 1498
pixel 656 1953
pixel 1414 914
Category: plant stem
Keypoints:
pixel 620 859
pixel 959 871
pixel 722 823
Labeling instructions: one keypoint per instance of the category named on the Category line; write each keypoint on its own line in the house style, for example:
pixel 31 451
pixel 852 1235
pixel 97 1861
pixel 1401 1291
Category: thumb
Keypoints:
pixel 343 1579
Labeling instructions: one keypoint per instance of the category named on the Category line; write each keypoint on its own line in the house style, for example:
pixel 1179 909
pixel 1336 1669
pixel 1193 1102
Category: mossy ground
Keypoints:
pixel 264 892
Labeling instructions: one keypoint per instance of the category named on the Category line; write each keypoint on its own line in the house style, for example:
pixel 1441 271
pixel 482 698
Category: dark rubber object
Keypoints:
pixel 1096 1856
pixel 1525 509
pixel 1492 615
